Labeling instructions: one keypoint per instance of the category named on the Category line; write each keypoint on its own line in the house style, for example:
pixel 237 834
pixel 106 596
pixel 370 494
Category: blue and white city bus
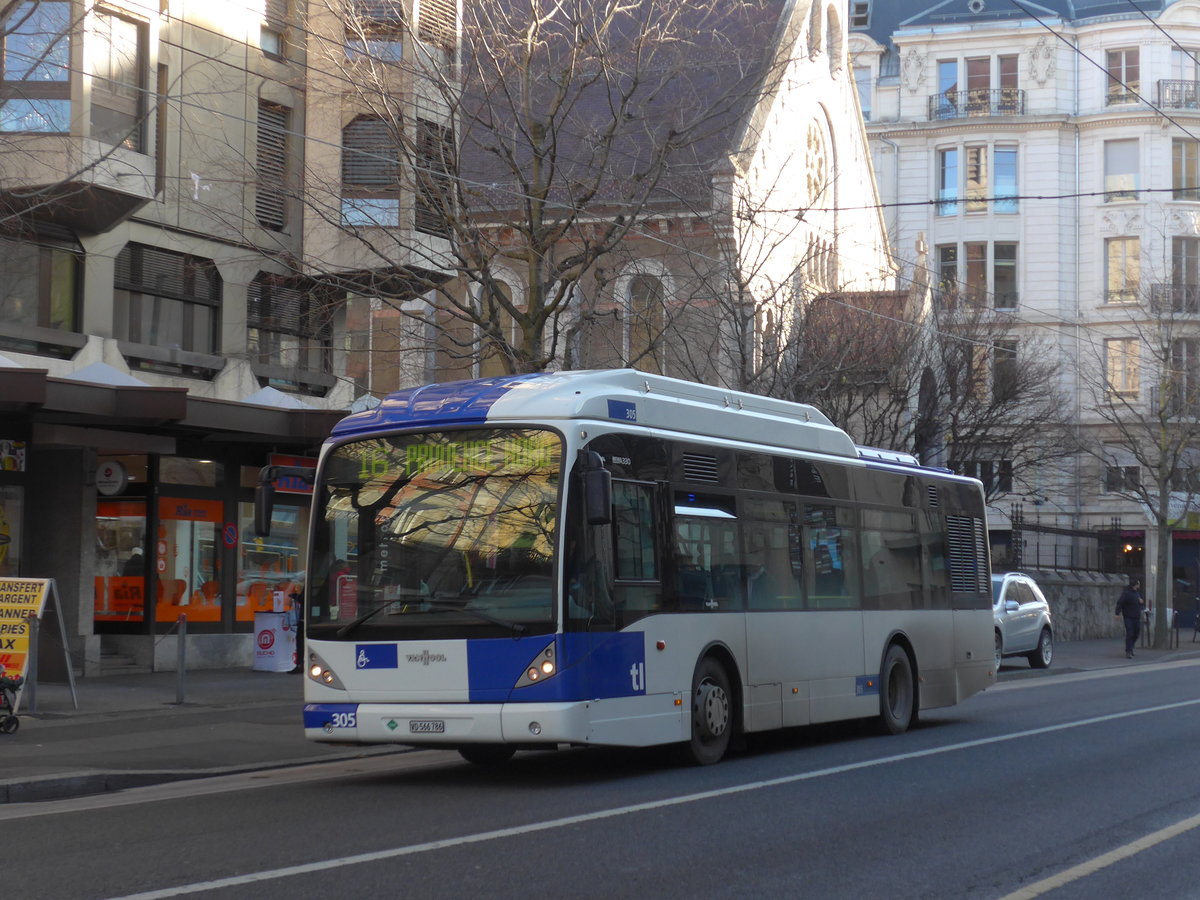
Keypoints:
pixel 617 558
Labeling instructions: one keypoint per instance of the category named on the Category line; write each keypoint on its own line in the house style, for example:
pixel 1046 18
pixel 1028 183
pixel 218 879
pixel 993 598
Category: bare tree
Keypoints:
pixel 951 382
pixel 496 192
pixel 1140 376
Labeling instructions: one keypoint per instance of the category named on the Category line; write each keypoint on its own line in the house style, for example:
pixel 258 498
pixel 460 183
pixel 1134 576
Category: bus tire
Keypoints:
pixel 712 714
pixel 487 754
pixel 897 691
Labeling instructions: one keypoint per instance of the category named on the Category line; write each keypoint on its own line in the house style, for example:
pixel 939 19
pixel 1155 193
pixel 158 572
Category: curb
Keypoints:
pixel 39 788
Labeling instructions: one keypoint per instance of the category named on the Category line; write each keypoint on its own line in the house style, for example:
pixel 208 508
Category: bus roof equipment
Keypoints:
pixel 627 396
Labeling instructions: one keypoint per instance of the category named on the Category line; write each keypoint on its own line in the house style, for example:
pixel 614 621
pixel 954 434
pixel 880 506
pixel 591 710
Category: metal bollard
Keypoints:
pixel 181 661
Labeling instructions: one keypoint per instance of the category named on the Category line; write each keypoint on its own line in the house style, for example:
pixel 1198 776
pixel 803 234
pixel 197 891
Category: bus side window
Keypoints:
pixel 772 558
pixel 833 560
pixel 637 591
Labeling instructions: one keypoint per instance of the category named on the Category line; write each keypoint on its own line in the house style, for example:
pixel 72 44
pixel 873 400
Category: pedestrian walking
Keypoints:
pixel 1129 607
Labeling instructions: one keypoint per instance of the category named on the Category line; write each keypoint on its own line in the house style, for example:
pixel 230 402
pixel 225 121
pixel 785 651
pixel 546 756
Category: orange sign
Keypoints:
pixel 20 598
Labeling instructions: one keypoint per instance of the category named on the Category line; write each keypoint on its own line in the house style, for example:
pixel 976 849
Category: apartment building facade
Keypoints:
pixel 161 338
pixel 1047 155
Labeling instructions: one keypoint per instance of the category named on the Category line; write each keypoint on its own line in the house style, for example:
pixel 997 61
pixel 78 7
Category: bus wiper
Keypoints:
pixel 516 627
pixel 355 622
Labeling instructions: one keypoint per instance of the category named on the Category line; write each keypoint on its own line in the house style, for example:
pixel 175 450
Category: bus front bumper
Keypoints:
pixel 447 724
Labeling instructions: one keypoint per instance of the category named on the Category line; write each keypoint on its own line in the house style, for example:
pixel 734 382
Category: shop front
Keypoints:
pixel 139 503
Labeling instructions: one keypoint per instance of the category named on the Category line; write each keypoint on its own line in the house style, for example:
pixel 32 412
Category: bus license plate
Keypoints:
pixel 426 726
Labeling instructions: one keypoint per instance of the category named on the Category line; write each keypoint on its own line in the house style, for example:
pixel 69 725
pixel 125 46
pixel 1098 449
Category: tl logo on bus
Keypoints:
pixel 637 677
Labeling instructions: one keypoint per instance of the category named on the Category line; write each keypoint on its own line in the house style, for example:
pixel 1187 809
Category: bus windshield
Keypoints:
pixel 437 534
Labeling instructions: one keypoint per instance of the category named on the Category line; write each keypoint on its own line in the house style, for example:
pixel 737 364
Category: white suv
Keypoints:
pixel 1022 618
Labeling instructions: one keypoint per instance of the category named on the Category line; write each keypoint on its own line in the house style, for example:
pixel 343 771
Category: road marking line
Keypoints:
pixel 1104 860
pixel 1113 672
pixel 518 830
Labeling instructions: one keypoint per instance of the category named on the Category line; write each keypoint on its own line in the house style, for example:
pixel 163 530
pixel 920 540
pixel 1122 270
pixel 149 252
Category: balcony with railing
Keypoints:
pixel 1179 94
pixel 1175 299
pixel 978 102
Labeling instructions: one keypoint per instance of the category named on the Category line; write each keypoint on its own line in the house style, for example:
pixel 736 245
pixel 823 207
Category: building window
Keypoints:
pixel 988 180
pixel 1184 377
pixel 1185 64
pixel 118 80
pixel 1004 275
pixel 991 88
pixel 1185 183
pixel 645 322
pixel 370 173
pixel 1005 177
pixel 375 30
pixel 434 200
pixel 947 95
pixel 976 176
pixel 287 326
pixel 272 31
pixel 35 94
pixel 1119 479
pixel 166 299
pixel 1182 89
pixel 979 85
pixel 947 263
pixel 860 14
pixel 1121 363
pixel 1121 180
pixel 39 285
pixel 270 207
pixel 864 80
pixel 1124 80
pixel 989 269
pixel 437 29
pixel 947 182
pixel 1185 274
pixel 1004 370
pixel 996 474
pixel 1008 77
pixel 1123 269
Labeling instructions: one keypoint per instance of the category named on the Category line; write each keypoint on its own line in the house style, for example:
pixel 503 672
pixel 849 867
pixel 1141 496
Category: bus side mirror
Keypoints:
pixel 264 493
pixel 597 489
pixel 264 507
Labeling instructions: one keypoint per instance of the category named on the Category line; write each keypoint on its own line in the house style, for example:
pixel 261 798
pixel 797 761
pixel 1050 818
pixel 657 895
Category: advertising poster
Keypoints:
pixel 20 598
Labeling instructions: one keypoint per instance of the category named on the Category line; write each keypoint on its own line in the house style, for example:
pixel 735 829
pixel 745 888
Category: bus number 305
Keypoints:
pixel 344 720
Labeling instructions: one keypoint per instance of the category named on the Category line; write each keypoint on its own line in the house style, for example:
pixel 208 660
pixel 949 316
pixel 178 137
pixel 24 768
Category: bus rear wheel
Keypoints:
pixel 897 691
pixel 712 714
pixel 487 754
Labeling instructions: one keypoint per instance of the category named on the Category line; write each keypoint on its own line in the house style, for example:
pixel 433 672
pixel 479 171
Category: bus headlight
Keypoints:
pixel 320 672
pixel 540 668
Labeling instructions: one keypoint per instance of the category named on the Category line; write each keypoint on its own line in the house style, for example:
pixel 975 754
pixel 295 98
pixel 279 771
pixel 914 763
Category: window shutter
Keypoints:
pixel 275 12
pixel 165 273
pixel 270 205
pixel 434 149
pixel 274 303
pixel 369 157
pixel 438 23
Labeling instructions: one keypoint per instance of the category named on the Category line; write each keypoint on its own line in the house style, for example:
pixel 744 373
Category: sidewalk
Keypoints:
pixel 130 731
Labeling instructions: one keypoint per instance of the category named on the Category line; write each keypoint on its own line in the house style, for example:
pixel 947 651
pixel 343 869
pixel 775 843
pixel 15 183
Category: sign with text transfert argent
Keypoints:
pixel 20 599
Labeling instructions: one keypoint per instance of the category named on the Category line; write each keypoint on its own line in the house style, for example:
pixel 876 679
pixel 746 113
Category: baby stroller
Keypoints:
pixel 9 685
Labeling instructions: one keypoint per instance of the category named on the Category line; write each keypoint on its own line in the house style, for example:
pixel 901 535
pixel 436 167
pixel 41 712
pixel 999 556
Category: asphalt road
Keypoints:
pixel 1069 787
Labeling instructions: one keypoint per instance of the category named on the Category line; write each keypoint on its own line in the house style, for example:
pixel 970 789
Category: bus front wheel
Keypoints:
pixel 487 754
pixel 711 713
pixel 897 691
